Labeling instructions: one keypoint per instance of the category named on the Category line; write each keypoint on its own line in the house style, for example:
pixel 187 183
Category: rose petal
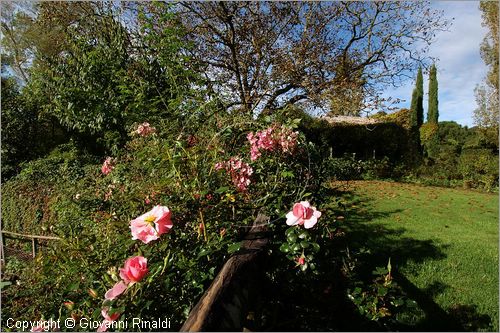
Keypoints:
pixel 116 291
pixel 308 224
pixel 291 219
pixel 103 327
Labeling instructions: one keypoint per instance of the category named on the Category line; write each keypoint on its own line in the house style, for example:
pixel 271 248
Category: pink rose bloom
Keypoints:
pixel 110 318
pixel 301 260
pixel 152 225
pixel 107 166
pixel 134 269
pixel 38 328
pixel 145 129
pixel 240 172
pixel 303 214
pixel 103 327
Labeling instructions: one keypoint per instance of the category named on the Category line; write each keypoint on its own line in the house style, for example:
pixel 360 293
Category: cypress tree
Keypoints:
pixel 417 99
pixel 413 109
pixel 420 97
pixel 432 112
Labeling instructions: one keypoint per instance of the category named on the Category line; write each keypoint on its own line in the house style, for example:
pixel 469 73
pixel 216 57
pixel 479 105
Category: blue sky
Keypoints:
pixel 460 66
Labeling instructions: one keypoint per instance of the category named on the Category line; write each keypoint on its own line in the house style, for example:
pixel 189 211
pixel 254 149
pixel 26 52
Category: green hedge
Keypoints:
pixel 390 139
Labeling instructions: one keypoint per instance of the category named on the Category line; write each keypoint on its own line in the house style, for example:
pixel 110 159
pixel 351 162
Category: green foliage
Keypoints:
pixel 66 195
pixel 402 118
pixel 420 99
pixel 452 157
pixel 479 168
pixel 300 244
pixel 389 138
pixel 381 169
pixel 27 199
pixel 417 98
pixel 349 168
pixel 486 115
pixel 344 168
pixel 433 112
pixel 413 108
pixel 26 133
pixel 102 83
pixel 427 132
pixel 383 299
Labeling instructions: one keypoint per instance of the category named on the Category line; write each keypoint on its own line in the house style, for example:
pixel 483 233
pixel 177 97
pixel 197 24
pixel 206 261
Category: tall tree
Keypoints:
pixel 417 99
pixel 267 55
pixel 98 70
pixel 413 108
pixel 489 46
pixel 420 99
pixel 486 116
pixel 16 23
pixel 433 111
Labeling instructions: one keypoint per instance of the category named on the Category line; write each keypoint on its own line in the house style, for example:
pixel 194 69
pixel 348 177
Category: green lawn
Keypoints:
pixel 443 244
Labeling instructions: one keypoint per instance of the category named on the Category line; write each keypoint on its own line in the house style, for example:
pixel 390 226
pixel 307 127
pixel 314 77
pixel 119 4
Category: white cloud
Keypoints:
pixel 460 67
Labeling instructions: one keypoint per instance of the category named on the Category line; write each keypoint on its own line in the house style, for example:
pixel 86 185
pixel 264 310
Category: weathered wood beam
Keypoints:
pixel 29 236
pixel 223 307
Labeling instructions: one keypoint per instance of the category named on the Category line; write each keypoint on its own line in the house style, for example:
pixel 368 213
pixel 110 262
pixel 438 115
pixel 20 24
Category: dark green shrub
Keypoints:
pixel 479 168
pixel 344 168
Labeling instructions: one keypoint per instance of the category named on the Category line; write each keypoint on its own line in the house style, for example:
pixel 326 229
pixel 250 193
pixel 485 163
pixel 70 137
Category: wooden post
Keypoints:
pixel 2 254
pixel 33 246
pixel 33 242
pixel 223 306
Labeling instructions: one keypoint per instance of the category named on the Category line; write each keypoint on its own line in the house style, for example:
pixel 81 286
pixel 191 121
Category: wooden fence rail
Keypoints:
pixel 33 241
pixel 224 305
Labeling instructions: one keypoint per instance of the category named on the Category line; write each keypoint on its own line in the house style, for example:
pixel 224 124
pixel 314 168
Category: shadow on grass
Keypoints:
pixel 296 301
pixel 377 243
pixel 458 318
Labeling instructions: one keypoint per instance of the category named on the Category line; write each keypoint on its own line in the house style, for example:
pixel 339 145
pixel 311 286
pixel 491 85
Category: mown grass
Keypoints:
pixel 443 244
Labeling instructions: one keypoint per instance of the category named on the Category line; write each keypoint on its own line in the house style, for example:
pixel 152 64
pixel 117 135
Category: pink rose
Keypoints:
pixel 38 328
pixel 303 214
pixel 134 269
pixel 301 260
pixel 108 319
pixel 145 129
pixel 152 225
pixel 107 166
pixel 103 327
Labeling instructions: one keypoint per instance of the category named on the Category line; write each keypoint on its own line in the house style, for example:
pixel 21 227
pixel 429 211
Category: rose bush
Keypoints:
pixel 107 218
